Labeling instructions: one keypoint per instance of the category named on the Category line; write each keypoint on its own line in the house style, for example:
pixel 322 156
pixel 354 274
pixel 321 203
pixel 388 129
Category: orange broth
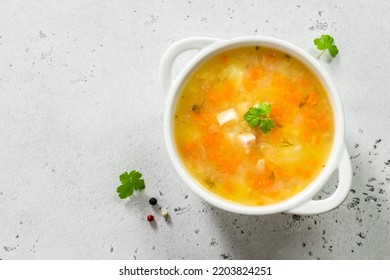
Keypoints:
pixel 261 169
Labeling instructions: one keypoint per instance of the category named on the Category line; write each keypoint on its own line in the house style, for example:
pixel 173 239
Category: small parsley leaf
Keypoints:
pixel 258 116
pixel 264 108
pixel 252 117
pixel 266 125
pixel 333 50
pixel 326 42
pixel 130 182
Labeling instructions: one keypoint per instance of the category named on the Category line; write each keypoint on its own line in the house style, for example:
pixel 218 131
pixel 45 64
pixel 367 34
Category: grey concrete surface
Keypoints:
pixel 80 103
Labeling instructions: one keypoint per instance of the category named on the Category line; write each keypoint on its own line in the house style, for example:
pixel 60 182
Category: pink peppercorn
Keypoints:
pixel 150 218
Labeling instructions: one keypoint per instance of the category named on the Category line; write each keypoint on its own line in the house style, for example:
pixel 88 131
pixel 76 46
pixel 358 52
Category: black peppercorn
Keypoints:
pixel 153 201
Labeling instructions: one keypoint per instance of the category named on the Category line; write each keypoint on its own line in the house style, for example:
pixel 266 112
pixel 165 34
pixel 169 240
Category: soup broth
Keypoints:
pixel 236 161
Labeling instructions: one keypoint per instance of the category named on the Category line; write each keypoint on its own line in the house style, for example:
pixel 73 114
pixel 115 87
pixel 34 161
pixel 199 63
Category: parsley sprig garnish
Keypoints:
pixel 130 182
pixel 259 116
pixel 326 42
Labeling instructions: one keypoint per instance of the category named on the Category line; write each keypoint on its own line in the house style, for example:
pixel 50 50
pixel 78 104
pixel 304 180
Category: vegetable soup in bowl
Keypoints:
pixel 255 126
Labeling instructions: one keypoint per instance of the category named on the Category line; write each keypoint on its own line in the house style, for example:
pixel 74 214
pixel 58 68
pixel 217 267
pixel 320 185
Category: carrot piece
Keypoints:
pixel 248 84
pixel 261 178
pixel 228 91
pixel 228 166
pixel 312 124
pixel 255 73
pixel 210 140
pixel 317 140
pixel 188 149
pixel 220 155
pixel 222 162
pixel 282 83
pixel 277 110
pixel 277 113
pixel 324 122
pixel 294 98
pixel 250 80
pixel 222 92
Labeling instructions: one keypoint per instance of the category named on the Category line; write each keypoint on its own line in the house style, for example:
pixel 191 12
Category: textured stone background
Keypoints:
pixel 80 103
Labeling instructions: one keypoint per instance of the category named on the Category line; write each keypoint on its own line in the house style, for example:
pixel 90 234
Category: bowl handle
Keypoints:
pixel 319 206
pixel 170 55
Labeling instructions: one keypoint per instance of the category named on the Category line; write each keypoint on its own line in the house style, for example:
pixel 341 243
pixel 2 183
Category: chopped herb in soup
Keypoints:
pixel 239 161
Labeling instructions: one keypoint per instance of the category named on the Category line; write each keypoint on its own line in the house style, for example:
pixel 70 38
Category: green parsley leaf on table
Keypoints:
pixel 130 182
pixel 326 42
pixel 258 116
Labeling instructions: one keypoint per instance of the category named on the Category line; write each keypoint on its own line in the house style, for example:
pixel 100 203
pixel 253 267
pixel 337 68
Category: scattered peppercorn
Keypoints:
pixel 165 214
pixel 153 201
pixel 150 218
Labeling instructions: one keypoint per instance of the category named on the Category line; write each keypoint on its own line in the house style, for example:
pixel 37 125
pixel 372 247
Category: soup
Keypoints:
pixel 244 164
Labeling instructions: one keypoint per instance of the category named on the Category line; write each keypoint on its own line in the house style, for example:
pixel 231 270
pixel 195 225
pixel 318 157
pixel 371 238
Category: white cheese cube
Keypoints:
pixel 246 139
pixel 226 116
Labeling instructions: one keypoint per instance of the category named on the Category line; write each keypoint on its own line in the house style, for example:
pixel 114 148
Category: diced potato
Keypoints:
pixel 242 108
pixel 260 165
pixel 233 72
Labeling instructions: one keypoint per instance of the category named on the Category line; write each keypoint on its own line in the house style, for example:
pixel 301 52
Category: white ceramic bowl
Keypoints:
pixel 301 203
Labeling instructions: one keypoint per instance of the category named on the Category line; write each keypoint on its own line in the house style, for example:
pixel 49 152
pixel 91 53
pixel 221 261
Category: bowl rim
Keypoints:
pixel 338 142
